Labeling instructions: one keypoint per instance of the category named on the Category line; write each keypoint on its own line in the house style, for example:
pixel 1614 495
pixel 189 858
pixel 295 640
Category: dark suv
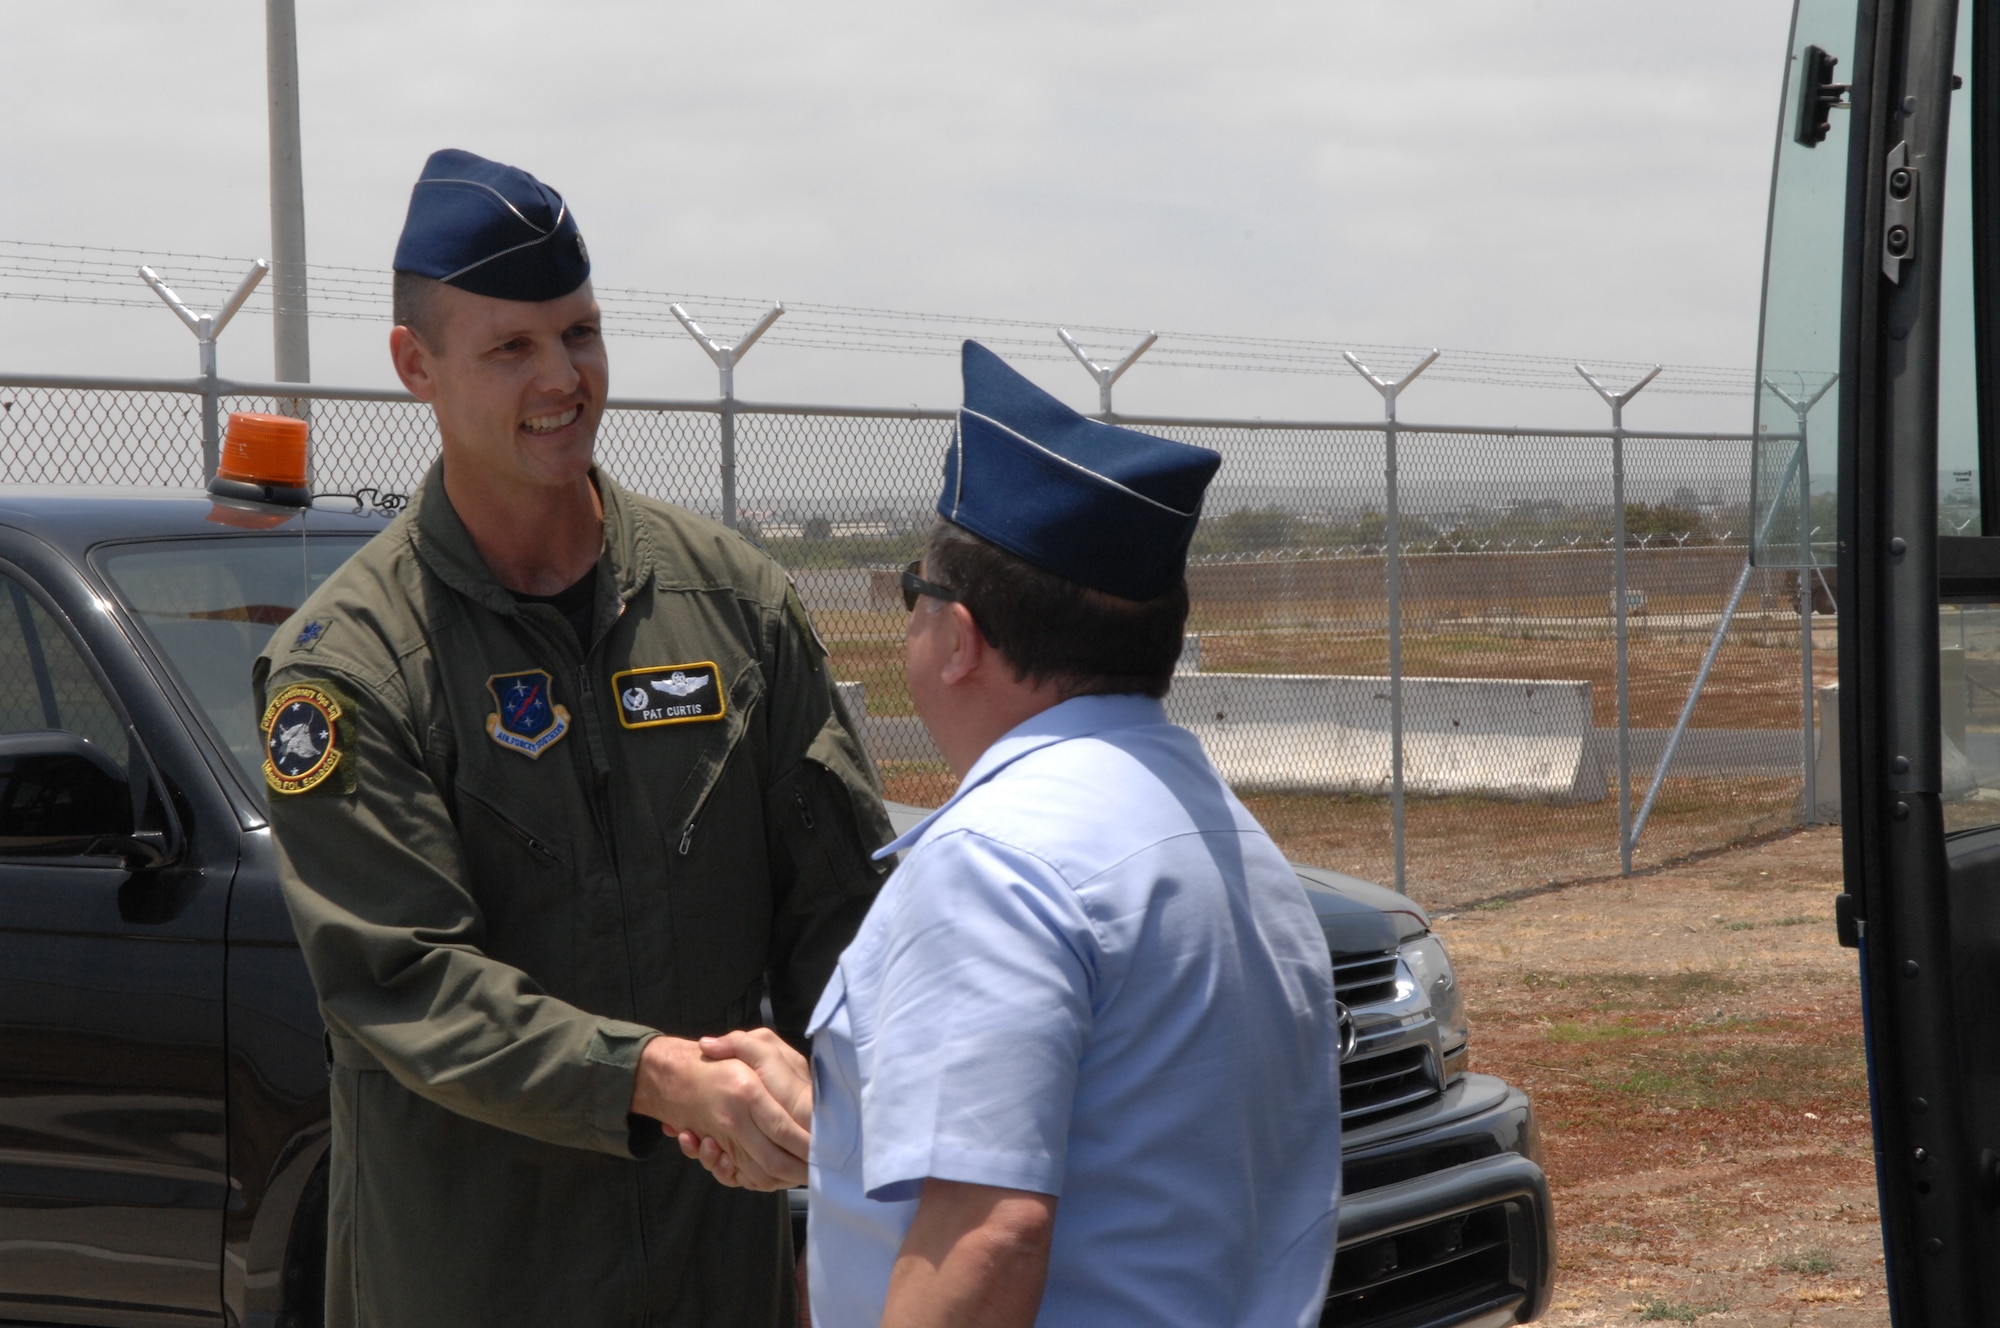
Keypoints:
pixel 163 1087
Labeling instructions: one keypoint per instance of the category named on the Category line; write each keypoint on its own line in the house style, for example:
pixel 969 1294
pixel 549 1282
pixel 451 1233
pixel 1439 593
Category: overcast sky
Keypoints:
pixel 1564 177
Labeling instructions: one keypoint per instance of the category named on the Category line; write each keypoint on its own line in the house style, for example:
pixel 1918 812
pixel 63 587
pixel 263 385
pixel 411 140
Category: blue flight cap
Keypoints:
pixel 490 229
pixel 1108 508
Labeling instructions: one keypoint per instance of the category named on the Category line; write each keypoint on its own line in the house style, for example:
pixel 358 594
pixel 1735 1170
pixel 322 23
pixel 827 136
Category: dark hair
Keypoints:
pixel 1053 630
pixel 413 300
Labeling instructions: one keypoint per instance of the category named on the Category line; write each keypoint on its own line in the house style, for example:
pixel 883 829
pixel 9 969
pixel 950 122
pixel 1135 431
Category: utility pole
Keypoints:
pixel 291 357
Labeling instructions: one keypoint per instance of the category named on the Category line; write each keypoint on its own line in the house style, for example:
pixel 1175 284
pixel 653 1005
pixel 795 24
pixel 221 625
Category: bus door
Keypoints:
pixel 1875 471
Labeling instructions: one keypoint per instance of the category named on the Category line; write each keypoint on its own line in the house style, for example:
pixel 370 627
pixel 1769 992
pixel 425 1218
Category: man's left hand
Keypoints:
pixel 786 1076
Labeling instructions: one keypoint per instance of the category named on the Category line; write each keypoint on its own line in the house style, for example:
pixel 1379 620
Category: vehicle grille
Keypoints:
pixel 1443 1271
pixel 1394 1079
pixel 1367 980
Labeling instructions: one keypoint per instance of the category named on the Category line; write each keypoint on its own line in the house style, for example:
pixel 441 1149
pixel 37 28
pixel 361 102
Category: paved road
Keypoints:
pixel 1759 753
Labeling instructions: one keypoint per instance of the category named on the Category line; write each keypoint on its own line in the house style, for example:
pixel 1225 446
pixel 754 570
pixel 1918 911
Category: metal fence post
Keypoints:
pixel 726 356
pixel 1617 400
pixel 206 328
pixel 1721 632
pixel 1392 537
pixel 1808 566
pixel 1106 374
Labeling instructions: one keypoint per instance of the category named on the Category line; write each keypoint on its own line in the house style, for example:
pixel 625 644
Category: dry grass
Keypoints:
pixel 1753 685
pixel 1468 848
pixel 1692 1043
pixel 1460 848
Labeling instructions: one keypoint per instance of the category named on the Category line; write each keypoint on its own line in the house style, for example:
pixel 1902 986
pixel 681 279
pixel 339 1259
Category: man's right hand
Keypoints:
pixel 786 1074
pixel 729 1102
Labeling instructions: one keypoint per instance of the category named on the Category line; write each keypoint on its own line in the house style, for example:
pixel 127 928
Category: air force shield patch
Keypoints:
pixel 528 719
pixel 668 694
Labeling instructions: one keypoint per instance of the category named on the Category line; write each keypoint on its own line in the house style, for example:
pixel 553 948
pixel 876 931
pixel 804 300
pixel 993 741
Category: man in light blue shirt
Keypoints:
pixel 1079 1065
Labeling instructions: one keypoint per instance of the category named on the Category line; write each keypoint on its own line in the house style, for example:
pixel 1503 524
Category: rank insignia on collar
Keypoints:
pixel 309 635
pixel 304 727
pixel 669 694
pixel 528 719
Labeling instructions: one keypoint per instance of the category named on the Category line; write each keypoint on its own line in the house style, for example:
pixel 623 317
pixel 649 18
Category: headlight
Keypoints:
pixel 1431 967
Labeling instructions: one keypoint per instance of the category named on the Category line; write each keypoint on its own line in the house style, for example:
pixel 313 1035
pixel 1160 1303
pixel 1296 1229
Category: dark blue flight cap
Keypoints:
pixel 1105 507
pixel 491 229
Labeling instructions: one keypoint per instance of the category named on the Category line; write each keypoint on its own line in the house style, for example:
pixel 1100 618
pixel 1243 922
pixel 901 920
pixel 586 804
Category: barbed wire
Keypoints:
pixel 49 272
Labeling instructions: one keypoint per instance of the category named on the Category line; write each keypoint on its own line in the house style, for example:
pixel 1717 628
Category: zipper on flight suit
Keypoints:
pixel 598 795
pixel 600 764
pixel 564 643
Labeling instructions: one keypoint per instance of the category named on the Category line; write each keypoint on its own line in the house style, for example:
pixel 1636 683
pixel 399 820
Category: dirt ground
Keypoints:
pixel 1692 1043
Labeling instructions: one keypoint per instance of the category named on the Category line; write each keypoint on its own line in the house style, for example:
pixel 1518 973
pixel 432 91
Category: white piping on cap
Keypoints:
pixel 561 212
pixel 958 470
pixel 1073 465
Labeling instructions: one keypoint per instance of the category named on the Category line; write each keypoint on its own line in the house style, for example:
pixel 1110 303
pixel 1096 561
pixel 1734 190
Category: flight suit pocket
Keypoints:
pixel 704 754
pixel 522 879
pixel 832 825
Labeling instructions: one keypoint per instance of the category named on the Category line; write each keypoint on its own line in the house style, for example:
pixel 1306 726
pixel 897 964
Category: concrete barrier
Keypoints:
pixel 1324 734
pixel 1190 658
pixel 1502 738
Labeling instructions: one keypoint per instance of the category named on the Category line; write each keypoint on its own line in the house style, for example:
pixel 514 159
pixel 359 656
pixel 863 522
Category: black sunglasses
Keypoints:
pixel 915 587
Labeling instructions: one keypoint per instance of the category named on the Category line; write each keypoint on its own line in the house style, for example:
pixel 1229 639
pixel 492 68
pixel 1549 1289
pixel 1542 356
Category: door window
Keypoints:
pixel 209 604
pixel 44 682
pixel 1798 354
pixel 1968 632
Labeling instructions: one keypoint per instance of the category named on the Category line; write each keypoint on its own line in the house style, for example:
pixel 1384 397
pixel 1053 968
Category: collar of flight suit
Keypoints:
pixel 442 541
pixel 1078 717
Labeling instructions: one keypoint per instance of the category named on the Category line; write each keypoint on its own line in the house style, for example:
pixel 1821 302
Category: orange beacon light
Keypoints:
pixel 263 461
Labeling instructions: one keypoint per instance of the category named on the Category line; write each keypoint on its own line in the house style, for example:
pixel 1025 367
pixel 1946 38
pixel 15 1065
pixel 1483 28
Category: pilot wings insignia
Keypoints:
pixel 679 685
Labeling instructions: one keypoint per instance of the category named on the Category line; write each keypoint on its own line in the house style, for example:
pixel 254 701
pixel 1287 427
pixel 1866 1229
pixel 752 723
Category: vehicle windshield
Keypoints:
pixel 209 605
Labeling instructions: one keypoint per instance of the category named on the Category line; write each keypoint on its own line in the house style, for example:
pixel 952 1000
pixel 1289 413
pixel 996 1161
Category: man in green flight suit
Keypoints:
pixel 560 785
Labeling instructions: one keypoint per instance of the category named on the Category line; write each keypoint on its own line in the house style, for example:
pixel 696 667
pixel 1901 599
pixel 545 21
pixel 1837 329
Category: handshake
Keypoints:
pixel 740 1104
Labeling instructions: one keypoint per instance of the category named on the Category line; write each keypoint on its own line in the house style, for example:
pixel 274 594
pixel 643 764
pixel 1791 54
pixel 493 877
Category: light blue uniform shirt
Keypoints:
pixel 1094 976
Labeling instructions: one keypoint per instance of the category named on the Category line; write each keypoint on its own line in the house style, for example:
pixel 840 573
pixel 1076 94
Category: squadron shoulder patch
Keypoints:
pixel 669 694
pixel 305 729
pixel 527 719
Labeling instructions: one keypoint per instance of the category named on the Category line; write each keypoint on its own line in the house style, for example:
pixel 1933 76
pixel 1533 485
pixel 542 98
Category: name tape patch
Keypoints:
pixel 302 741
pixel 527 719
pixel 669 694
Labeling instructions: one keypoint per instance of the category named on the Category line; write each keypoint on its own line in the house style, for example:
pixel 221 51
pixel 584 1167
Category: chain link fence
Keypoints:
pixel 1508 538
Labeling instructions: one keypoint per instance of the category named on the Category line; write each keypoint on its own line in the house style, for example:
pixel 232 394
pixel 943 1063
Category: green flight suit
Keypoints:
pixel 503 891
